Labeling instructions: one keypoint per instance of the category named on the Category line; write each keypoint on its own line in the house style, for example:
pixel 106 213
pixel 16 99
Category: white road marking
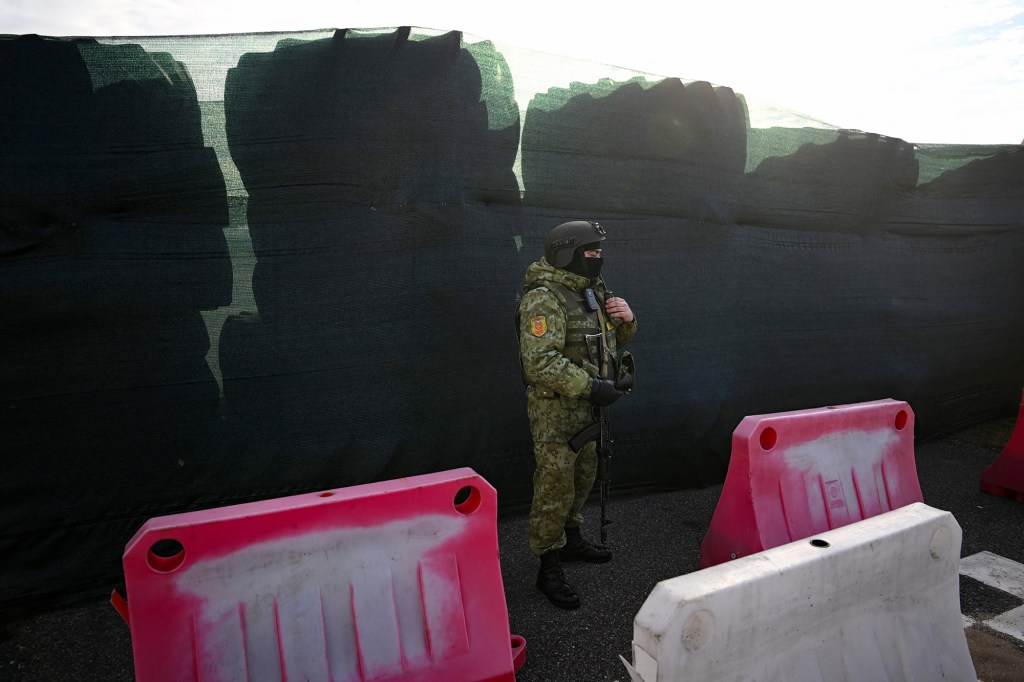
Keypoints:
pixel 1003 574
pixel 995 571
pixel 1009 623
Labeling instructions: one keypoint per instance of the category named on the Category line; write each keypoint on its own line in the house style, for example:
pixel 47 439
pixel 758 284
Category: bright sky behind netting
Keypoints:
pixel 925 71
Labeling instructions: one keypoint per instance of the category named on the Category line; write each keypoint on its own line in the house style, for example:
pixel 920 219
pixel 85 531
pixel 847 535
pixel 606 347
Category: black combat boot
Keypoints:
pixel 551 581
pixel 578 549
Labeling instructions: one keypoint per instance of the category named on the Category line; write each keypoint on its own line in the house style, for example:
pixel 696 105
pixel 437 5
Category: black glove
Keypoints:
pixel 625 383
pixel 603 392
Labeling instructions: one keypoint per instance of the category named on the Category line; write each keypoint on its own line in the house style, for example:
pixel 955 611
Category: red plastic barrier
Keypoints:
pixel 1005 476
pixel 389 581
pixel 795 474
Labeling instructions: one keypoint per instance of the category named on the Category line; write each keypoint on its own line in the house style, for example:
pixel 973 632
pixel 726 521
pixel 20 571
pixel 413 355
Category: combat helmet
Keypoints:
pixel 563 241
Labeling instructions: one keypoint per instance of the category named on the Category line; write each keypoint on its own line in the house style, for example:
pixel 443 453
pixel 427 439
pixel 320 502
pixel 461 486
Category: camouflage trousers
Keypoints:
pixel 561 483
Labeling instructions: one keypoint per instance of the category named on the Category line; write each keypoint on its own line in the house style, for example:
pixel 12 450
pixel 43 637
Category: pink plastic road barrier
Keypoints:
pixel 795 474
pixel 397 580
pixel 1005 476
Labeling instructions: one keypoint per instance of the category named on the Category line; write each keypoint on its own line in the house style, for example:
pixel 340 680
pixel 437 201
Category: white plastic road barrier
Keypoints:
pixel 877 600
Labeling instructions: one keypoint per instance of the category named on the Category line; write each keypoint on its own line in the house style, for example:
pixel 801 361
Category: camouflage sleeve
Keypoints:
pixel 541 339
pixel 624 332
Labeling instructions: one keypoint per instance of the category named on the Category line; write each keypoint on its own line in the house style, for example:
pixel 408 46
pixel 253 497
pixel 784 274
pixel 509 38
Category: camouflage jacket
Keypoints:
pixel 552 345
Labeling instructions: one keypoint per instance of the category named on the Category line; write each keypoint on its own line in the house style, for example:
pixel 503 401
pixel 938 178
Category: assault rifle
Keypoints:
pixel 600 428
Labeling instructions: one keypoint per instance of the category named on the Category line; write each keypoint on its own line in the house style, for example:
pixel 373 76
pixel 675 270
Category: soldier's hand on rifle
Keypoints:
pixel 617 307
pixel 625 382
pixel 603 392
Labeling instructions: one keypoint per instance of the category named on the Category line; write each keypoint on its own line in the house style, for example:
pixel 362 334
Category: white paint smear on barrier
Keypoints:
pixel 342 598
pixel 855 448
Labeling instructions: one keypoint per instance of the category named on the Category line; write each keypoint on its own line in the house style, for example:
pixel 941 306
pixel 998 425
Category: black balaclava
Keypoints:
pixel 583 266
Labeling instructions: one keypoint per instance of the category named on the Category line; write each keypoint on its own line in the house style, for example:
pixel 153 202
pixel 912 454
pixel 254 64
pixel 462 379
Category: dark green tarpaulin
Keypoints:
pixel 236 267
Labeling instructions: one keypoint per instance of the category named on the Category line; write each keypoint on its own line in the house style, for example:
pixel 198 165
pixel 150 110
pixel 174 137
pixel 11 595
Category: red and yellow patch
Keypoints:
pixel 538 325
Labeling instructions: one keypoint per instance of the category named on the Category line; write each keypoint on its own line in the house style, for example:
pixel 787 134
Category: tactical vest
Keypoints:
pixel 579 323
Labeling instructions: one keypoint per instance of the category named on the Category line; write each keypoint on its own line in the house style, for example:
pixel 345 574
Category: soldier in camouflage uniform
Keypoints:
pixel 563 386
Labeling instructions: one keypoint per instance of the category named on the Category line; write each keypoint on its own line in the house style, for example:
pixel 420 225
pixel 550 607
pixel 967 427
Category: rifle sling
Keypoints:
pixel 604 361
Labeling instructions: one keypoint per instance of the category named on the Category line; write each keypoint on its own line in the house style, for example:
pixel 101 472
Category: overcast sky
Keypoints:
pixel 922 70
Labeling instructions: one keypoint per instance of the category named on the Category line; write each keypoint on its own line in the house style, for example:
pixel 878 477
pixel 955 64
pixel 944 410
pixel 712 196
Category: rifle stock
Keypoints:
pixel 588 433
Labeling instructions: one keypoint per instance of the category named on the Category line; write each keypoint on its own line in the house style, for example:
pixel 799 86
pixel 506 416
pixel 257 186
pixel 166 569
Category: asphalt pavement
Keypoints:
pixel 655 535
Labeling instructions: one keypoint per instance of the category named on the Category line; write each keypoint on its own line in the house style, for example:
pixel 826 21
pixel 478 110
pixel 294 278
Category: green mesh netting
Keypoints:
pixel 243 266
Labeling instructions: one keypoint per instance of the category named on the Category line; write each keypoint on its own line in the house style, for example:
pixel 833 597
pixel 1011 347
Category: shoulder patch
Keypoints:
pixel 538 325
